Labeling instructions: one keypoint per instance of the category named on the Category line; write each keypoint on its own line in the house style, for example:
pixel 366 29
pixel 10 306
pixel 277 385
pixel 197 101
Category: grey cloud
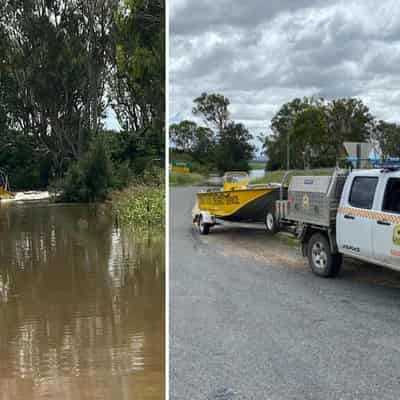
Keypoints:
pixel 384 62
pixel 201 16
pixel 261 54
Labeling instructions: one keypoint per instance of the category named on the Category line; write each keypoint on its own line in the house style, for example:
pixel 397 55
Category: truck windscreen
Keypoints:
pixel 391 202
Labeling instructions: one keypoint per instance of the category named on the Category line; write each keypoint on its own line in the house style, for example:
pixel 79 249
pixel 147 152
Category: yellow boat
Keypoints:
pixel 5 194
pixel 236 201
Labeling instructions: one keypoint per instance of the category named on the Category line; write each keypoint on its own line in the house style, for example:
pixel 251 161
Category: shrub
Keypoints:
pixel 140 204
pixel 89 179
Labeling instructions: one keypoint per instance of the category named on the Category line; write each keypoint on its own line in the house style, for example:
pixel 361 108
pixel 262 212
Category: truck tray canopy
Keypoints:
pixel 315 199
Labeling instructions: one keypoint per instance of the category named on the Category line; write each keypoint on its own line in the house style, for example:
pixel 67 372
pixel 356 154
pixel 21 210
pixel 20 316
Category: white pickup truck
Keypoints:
pixel 355 214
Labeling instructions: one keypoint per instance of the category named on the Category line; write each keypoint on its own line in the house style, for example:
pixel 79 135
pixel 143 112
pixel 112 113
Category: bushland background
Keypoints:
pixel 82 95
pixel 305 133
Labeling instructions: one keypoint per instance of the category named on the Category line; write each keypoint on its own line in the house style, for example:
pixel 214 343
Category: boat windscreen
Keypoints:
pixel 236 177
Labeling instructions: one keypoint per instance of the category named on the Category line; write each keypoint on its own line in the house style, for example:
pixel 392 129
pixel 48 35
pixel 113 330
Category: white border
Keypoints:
pixel 167 263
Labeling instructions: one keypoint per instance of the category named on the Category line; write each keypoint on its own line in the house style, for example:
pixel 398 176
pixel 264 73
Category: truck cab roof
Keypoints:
pixel 375 172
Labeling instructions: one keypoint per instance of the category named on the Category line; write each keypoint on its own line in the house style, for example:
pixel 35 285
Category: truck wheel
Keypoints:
pixel 322 261
pixel 270 222
pixel 204 228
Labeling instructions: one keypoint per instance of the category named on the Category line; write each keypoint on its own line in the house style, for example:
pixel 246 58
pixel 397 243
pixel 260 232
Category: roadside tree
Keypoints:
pixel 388 137
pixel 214 109
pixel 234 148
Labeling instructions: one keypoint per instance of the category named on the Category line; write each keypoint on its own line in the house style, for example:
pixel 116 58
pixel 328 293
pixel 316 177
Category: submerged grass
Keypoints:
pixel 176 179
pixel 140 204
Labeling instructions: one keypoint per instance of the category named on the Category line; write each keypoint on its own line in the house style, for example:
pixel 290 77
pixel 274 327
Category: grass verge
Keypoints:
pixel 277 176
pixel 185 179
pixel 256 165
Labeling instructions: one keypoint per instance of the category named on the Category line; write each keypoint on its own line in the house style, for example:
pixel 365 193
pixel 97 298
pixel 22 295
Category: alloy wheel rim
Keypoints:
pixel 319 255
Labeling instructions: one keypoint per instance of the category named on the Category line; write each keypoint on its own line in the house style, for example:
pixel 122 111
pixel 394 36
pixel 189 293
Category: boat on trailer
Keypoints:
pixel 237 201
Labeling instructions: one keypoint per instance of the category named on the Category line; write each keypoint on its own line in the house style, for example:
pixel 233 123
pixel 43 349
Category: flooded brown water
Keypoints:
pixel 81 305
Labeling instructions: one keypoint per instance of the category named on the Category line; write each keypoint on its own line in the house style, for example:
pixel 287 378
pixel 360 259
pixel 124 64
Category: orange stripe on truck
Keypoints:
pixel 369 214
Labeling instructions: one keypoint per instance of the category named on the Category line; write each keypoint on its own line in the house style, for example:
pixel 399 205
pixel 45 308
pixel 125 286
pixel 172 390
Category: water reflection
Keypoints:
pixel 256 173
pixel 81 306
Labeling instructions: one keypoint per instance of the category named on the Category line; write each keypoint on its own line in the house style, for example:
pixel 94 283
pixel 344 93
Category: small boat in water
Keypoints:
pixel 236 201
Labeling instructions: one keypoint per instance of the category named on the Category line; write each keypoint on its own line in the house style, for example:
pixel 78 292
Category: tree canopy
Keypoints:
pixel 305 133
pixel 65 64
pixel 311 132
pixel 222 144
pixel 214 109
pixel 388 136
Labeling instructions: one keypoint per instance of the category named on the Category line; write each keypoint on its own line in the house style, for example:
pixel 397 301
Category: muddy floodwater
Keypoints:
pixel 81 305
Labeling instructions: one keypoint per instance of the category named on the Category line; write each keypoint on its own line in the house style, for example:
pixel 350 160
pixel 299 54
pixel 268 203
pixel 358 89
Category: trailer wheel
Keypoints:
pixel 270 222
pixel 321 260
pixel 204 228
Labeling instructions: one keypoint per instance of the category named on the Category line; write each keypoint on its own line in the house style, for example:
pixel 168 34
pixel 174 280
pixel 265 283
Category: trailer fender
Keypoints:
pixel 206 216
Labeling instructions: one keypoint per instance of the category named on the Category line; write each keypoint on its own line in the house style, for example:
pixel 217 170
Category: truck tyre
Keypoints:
pixel 270 222
pixel 321 260
pixel 204 228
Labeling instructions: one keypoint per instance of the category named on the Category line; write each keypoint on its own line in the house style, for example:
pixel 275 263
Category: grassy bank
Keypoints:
pixel 185 179
pixel 256 165
pixel 277 176
pixel 140 204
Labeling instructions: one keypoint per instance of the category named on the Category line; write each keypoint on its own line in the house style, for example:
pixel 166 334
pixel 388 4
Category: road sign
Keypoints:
pixel 181 167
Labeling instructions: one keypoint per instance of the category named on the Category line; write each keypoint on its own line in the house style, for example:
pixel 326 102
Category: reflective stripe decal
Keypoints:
pixel 369 214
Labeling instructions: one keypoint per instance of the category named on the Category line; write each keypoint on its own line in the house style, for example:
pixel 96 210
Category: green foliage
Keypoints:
pixel 349 119
pixel 140 204
pixel 104 169
pixel 132 150
pixel 282 124
pixel 57 61
pixel 388 137
pixel 153 175
pixel 311 132
pixel 25 167
pixel 213 108
pixel 306 133
pixel 197 141
pixel 90 178
pixel 234 148
pixel 182 136
pixel 61 63
pixel 310 139
pixel 227 147
pixel 139 82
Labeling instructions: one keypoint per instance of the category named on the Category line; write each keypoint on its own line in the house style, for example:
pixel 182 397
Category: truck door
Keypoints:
pixel 386 228
pixel 354 226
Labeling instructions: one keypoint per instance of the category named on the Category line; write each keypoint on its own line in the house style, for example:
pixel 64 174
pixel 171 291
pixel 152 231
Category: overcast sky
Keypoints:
pixel 262 53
